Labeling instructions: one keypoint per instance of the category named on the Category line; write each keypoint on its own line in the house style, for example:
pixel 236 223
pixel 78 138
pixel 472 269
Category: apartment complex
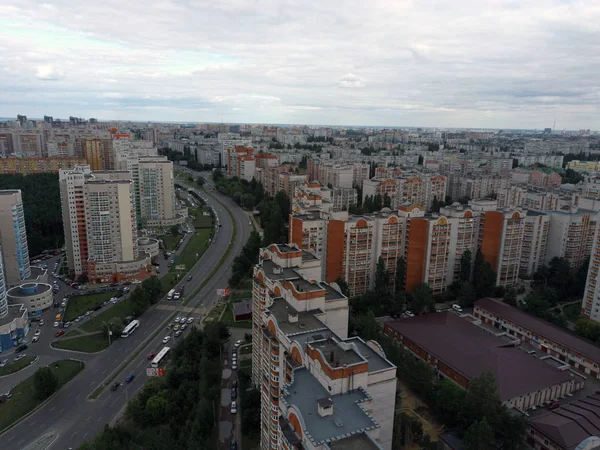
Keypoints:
pixel 157 192
pixel 241 162
pixel 13 237
pixel 403 189
pixel 319 388
pixel 100 225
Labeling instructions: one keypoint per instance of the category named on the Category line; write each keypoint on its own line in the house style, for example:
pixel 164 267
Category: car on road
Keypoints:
pixel 553 405
pixel 67 325
pixel 234 365
pixel 56 324
pixel 190 319
pixel 150 356
pixel 234 407
pixel 59 333
pixel 35 339
pixel 20 357
pixel 114 300
pixel 38 332
pixel 20 348
pixel 7 395
pixel 42 323
pixel 129 378
pixel 190 278
pixel 115 386
pixel 166 339
pixel 238 343
pixel 4 362
pixel 178 333
pixel 234 384
pixel 233 394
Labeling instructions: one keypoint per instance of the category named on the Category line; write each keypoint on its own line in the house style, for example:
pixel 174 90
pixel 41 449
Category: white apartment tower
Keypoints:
pixel 13 237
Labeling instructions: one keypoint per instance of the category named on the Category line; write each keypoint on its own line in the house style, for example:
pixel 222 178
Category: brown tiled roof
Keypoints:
pixel 572 423
pixel 541 327
pixel 471 351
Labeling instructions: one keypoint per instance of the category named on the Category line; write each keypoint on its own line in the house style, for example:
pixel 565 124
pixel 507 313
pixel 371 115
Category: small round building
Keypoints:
pixel 35 297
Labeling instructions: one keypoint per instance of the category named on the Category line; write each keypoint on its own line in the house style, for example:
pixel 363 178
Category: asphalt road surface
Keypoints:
pixel 70 416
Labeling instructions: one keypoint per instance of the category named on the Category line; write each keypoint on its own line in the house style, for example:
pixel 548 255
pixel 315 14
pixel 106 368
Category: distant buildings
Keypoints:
pixel 320 389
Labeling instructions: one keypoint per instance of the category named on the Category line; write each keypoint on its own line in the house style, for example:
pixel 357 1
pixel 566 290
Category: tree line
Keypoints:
pixel 177 411
pixel 41 204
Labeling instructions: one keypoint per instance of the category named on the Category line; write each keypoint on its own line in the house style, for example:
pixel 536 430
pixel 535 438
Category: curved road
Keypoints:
pixel 70 418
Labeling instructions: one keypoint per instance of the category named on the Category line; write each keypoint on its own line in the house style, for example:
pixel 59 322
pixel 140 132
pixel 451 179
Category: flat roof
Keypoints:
pixel 285 273
pixel 15 311
pixel 330 292
pixel 17 292
pixel 375 360
pixel 242 307
pixel 572 423
pixel 348 417
pixel 472 351
pixel 360 441
pixel 541 327
pixel 306 319
pixel 341 357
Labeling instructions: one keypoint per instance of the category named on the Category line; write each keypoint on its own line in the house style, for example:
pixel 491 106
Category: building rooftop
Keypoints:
pixel 541 327
pixel 330 292
pixel 357 442
pixel 276 272
pixel 472 351
pixel 335 355
pixel 376 362
pixel 348 417
pixel 572 423
pixel 242 307
pixel 14 312
pixel 307 321
pixel 17 292
pixel 308 256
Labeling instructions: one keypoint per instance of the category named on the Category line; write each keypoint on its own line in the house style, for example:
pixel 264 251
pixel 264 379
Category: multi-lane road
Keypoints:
pixel 69 418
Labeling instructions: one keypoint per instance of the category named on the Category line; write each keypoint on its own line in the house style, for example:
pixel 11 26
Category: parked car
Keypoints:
pixel 177 319
pixel 178 333
pixel 233 445
pixel 234 407
pixel 42 323
pixel 238 343
pixel 59 333
pixel 553 405
pixel 20 348
pixel 234 384
pixel 35 339
pixel 233 365
pixel 38 332
pixel 233 394
pixel 20 357
pixel 190 320
pixel 56 324
pixel 4 362
pixel 183 327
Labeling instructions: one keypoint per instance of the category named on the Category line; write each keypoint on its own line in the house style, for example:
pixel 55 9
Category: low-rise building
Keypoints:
pixel 35 297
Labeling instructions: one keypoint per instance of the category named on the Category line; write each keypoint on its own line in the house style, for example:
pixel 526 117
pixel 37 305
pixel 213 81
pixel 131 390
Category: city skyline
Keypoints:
pixel 473 65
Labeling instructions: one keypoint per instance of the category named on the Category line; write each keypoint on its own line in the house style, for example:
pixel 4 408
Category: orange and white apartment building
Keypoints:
pixel 241 162
pixel 590 307
pixel 319 388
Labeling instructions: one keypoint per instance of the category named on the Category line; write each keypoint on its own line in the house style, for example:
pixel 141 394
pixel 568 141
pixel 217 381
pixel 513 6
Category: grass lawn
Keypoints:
pixel 170 241
pixel 246 363
pixel 216 311
pixel 90 343
pixel 13 367
pixel 24 399
pixel 250 442
pixel 246 349
pixel 74 332
pixel 573 311
pixel 227 319
pixel 120 310
pixel 238 295
pixel 77 306
pixel 197 244
pixel 201 221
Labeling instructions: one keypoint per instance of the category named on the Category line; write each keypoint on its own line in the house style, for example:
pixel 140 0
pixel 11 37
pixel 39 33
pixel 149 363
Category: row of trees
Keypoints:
pixel 176 411
pixel 41 204
pixel 242 264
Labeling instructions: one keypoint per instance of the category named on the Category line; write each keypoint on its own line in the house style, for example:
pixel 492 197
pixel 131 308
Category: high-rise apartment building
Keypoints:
pixel 97 152
pixel 318 387
pixel 571 235
pixel 100 225
pixel 535 242
pixel 156 191
pixel 13 237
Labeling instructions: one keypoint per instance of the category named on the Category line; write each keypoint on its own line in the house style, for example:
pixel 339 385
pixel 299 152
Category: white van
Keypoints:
pixel 457 308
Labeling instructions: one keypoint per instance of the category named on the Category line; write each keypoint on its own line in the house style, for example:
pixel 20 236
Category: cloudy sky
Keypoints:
pixel 466 63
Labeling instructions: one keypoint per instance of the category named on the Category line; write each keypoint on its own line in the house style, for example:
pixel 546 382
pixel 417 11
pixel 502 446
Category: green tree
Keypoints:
pixel 448 402
pixel 381 278
pixel 200 181
pixel 479 436
pixel 387 201
pixel 484 276
pixel 466 295
pixel 510 296
pixel 482 400
pixel 285 205
pixel 400 275
pixel 45 382
pixel 420 160
pixel 465 265
pixel 421 299
pixel 274 231
pixel 152 289
pixel 175 230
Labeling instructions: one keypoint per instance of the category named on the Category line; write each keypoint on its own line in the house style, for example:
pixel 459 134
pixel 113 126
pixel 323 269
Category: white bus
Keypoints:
pixel 133 325
pixel 171 294
pixel 160 357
